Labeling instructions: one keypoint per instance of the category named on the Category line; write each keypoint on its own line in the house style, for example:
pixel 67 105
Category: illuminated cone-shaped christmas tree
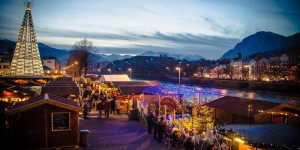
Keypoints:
pixel 26 60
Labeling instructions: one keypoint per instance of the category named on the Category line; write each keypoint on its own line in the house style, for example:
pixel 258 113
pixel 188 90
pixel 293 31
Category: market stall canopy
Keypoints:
pixel 112 78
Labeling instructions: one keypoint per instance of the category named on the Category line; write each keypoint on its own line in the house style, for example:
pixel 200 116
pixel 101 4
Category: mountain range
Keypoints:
pixel 262 42
pixel 62 54
pixel 175 56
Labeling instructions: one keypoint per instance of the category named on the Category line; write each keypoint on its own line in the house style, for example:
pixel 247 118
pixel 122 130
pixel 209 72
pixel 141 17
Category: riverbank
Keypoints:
pixel 284 88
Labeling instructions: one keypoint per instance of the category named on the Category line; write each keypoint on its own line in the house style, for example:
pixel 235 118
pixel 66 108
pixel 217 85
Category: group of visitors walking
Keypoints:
pixel 163 133
pixel 109 104
pixel 100 101
pixel 157 125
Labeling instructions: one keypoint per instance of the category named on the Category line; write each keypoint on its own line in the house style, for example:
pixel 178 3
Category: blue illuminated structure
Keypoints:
pixel 185 91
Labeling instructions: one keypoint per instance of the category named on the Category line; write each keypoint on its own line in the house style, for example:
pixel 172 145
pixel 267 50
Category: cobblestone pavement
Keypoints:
pixel 118 133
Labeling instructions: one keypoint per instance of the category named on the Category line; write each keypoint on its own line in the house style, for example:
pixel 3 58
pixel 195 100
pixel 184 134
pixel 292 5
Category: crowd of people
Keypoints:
pixel 101 101
pixel 163 132
pixel 171 134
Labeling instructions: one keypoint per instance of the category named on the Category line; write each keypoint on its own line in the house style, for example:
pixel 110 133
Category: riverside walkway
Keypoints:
pixel 118 133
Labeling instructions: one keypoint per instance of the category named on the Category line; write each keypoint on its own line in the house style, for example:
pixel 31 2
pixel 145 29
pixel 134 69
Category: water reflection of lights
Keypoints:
pixel 210 93
pixel 190 92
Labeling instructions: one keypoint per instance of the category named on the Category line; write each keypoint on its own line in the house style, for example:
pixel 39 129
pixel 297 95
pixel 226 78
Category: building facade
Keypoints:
pixel 4 68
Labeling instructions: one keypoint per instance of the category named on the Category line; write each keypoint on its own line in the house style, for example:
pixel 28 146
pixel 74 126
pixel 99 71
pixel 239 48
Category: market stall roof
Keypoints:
pixel 137 87
pixel 92 77
pixel 44 99
pixel 240 106
pixel 63 91
pixel 275 134
pixel 63 81
pixel 17 89
pixel 20 82
pixel 286 108
pixel 113 78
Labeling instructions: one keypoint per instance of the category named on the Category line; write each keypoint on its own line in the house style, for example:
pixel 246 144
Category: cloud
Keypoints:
pixel 178 43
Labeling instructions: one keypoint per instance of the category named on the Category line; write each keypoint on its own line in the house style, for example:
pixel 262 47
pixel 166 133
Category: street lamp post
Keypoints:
pixel 178 76
pixel 177 68
pixel 130 70
pixel 109 70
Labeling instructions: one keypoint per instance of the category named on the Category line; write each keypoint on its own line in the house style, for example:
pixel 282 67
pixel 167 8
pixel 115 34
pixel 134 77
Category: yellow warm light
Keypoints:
pixel 239 140
pixel 225 138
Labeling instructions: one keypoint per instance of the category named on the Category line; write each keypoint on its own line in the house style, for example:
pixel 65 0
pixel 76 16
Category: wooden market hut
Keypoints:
pixel 43 122
pixel 238 110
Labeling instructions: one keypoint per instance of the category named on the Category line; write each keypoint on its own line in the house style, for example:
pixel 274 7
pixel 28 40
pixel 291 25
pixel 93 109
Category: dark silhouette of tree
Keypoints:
pixel 80 56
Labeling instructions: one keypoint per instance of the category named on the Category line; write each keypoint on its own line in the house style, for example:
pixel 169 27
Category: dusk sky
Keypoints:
pixel 208 28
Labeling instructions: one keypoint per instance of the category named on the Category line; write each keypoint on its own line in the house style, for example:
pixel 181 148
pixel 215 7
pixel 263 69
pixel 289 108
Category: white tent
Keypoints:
pixel 112 78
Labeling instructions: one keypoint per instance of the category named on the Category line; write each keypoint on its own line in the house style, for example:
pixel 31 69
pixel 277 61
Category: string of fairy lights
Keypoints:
pixel 186 92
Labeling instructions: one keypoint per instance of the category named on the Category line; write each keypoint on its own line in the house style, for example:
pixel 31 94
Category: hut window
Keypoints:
pixel 60 121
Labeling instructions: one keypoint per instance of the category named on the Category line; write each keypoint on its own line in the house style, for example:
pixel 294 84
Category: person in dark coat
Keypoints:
pixel 150 119
pixel 107 108
pixel 155 121
pixel 99 107
pixel 87 92
pixel 112 106
pixel 85 110
pixel 189 144
pixel 161 129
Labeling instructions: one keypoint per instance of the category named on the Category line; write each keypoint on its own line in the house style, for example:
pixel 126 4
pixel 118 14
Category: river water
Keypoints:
pixel 207 94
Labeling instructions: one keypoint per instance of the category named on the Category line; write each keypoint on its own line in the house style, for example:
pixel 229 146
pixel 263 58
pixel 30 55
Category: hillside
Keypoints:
pixel 262 42
pixel 60 54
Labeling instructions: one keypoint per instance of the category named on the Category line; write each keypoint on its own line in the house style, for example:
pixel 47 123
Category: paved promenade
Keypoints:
pixel 118 133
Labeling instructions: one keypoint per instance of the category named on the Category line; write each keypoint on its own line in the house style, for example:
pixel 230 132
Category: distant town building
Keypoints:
pixel 284 60
pixel 51 62
pixel 26 60
pixel 253 69
pixel 4 68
